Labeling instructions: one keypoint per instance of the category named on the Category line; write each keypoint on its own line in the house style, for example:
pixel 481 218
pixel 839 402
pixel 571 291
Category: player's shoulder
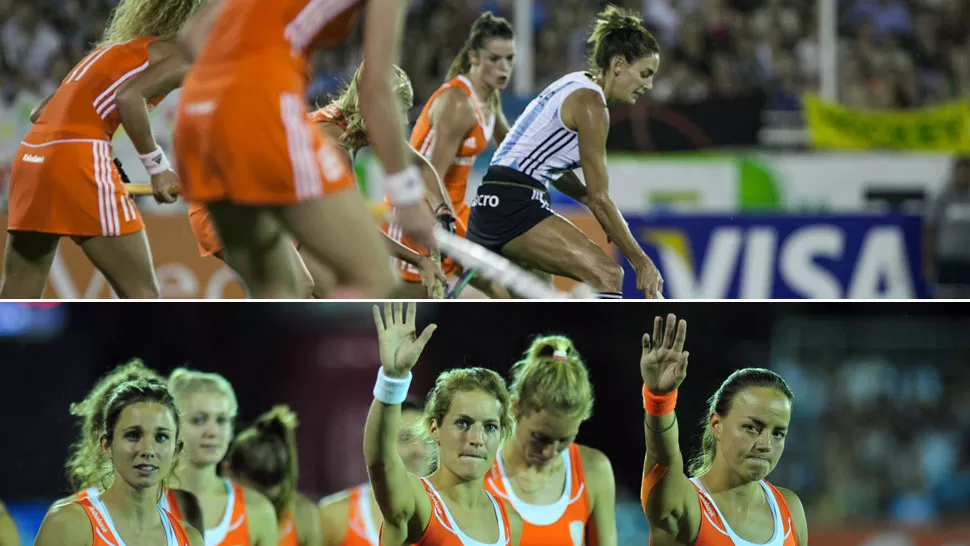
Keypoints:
pixel 454 101
pixel 66 516
pixel 787 494
pixel 338 499
pixel 256 503
pixel 595 462
pixel 302 504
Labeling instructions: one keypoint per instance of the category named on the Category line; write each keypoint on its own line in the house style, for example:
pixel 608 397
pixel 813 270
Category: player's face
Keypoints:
pixel 631 80
pixel 143 444
pixel 752 436
pixel 495 60
pixel 415 452
pixel 208 426
pixel 469 434
pixel 541 436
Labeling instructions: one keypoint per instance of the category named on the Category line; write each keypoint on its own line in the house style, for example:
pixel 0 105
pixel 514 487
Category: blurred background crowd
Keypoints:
pixel 892 53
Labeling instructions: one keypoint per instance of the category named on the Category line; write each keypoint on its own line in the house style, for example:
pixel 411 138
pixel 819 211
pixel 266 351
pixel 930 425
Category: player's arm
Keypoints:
pixel 452 116
pixel 602 490
pixel 263 526
pixel 797 515
pixel 190 508
pixel 570 184
pixel 402 252
pixel 8 528
pixel 307 521
pixel 928 238
pixel 667 497
pixel 379 106
pixel 168 67
pixel 437 196
pixel 39 109
pixel 398 493
pixel 66 525
pixel 195 31
pixel 585 112
pixel 334 513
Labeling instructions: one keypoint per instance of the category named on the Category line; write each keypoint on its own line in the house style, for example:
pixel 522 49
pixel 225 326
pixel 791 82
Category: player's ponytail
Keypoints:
pixel 265 453
pixel 619 32
pixel 354 136
pixel 552 376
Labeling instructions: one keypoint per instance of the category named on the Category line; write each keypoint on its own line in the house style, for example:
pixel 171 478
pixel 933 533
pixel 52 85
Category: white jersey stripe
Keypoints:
pixel 108 96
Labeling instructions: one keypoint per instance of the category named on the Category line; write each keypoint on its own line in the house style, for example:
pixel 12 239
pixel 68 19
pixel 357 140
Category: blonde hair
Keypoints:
pixel 619 32
pixel 265 452
pixel 85 465
pixel 485 28
pixel 147 19
pixel 552 376
pixel 459 380
pixel 354 136
pixel 184 381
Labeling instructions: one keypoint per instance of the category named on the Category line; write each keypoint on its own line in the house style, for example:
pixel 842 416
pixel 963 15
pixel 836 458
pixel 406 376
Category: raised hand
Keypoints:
pixel 399 346
pixel 663 363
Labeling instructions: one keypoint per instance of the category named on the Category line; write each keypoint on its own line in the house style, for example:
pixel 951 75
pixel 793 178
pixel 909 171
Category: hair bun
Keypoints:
pixel 613 19
pixel 278 421
pixel 554 347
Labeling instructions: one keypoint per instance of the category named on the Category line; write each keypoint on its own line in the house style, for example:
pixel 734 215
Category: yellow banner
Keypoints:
pixel 943 128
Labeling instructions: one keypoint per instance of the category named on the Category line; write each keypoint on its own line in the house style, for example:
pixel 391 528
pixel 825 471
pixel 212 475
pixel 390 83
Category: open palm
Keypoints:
pixel 399 346
pixel 663 363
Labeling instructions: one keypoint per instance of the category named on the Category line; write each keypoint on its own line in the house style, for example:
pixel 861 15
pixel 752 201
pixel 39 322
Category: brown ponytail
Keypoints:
pixel 266 454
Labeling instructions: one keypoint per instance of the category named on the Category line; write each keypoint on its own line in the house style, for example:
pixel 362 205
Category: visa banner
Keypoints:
pixel 781 256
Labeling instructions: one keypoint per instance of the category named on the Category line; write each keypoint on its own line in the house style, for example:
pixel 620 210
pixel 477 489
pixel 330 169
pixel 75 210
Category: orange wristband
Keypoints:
pixel 659 404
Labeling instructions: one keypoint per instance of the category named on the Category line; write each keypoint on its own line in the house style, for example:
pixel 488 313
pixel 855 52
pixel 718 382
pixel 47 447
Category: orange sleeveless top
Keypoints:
pixel 715 531
pixel 360 519
pixel 171 504
pixel 104 531
pixel 260 44
pixel 233 529
pixel 443 531
pixel 287 532
pixel 473 142
pixel 83 106
pixel 564 521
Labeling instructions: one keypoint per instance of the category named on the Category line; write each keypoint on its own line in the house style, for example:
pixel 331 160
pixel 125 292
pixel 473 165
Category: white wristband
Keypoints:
pixel 155 162
pixel 391 390
pixel 405 187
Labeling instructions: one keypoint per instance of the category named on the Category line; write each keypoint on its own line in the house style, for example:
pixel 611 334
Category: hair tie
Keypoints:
pixel 559 354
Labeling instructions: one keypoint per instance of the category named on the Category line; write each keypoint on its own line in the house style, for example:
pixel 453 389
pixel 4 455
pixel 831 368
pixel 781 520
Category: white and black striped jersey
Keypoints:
pixel 539 145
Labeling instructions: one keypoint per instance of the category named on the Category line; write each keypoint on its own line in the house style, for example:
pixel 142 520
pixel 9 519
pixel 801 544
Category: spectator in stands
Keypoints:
pixel 946 237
